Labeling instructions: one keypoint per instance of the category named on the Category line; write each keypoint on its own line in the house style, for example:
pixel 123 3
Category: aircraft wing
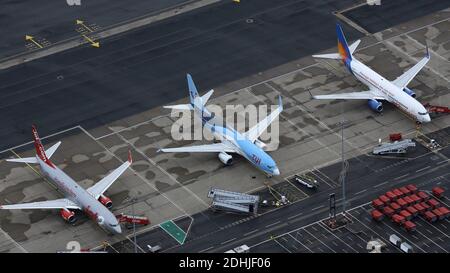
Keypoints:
pixel 208 148
pixel 101 186
pixel 363 95
pixel 63 203
pixel 183 107
pixel 407 77
pixel 253 133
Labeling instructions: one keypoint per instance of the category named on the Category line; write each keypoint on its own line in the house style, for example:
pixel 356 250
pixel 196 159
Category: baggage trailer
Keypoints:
pixel 438 192
pixel 405 190
pixel 423 195
pixel 396 207
pixel 377 203
pixel 384 199
pixel 439 214
pixel 445 212
pixel 406 214
pixel 414 212
pixel 409 226
pixel 402 202
pixel 430 217
pixel 398 219
pixel 434 203
pixel 388 211
pixel 412 188
pixel 377 215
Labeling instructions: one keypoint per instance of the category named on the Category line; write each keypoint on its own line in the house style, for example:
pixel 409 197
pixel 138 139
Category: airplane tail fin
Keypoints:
pixel 193 93
pixel 193 96
pixel 345 51
pixel 43 154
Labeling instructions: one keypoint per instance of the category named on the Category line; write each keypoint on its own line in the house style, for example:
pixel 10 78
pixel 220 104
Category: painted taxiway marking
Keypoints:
pixel 381 184
pixel 227 241
pixel 357 193
pixel 401 176
pixel 316 208
pixel 206 249
pixel 423 169
pixel 295 216
pixel 269 225
pixel 250 232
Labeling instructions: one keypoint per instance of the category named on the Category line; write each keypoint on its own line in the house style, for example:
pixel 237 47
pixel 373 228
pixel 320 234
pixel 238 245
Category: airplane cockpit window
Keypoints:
pixel 423 113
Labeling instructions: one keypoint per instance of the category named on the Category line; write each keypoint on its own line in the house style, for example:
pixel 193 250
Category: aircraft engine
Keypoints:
pixel 409 92
pixel 225 158
pixel 68 215
pixel 376 106
pixel 105 201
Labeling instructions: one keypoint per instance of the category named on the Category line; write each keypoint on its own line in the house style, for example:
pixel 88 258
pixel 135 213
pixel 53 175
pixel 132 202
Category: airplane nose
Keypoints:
pixel 276 171
pixel 118 229
pixel 427 118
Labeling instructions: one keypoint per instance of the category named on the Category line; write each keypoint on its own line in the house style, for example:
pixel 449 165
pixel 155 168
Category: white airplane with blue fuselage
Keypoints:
pixel 395 92
pixel 246 144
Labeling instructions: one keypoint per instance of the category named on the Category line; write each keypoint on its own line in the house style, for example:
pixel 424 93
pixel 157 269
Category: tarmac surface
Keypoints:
pixel 145 68
pixel 173 187
pixel 52 21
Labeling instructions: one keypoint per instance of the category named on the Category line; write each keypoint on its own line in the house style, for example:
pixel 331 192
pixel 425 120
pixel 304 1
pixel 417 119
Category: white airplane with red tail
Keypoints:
pixel 91 200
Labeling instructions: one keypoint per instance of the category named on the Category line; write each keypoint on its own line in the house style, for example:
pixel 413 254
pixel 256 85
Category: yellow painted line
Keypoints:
pixel 31 38
pixel 79 22
pixel 93 43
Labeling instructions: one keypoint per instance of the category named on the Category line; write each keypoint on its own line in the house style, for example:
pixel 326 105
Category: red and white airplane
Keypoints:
pixel 91 200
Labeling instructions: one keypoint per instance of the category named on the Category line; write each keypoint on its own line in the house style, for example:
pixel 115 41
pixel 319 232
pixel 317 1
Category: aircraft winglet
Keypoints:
pixel 130 158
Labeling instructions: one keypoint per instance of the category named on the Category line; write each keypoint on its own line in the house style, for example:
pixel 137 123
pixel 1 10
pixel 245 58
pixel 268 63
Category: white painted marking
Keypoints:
pixel 420 170
pixel 295 216
pixel 401 176
pixel 269 225
pixel 316 208
pixel 227 241
pixel 356 193
pixel 250 232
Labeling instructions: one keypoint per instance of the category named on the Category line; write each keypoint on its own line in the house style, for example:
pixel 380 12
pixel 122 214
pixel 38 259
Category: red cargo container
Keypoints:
pixel 416 199
pixel 425 206
pixel 405 190
pixel 395 137
pixel 377 203
pixel 438 214
pixel 398 219
pixel 396 207
pixel 445 211
pixel 412 210
pixel 412 188
pixel 409 200
pixel 391 196
pixel 377 215
pixel 423 195
pixel 388 211
pixel 431 217
pixel 438 192
pixel 406 214
pixel 398 193
pixel 419 208
pixel 433 203
pixel 402 202
pixel 384 199
pixel 409 226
